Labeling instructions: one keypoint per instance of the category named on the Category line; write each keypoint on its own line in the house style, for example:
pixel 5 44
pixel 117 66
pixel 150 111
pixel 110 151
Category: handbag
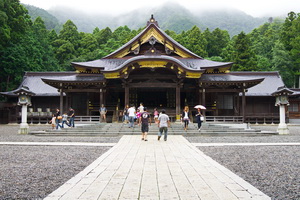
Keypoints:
pixel 59 117
pixel 202 118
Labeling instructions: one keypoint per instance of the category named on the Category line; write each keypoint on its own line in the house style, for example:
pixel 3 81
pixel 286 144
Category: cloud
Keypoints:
pixel 255 8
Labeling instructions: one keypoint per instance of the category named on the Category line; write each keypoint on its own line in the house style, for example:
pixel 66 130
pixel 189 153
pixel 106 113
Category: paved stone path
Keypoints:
pixel 175 169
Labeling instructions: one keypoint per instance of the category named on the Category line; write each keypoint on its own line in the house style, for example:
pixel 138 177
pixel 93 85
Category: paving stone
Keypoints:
pixel 173 169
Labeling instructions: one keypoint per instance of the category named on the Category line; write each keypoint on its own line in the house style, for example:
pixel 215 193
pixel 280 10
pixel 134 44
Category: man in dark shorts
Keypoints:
pixel 145 120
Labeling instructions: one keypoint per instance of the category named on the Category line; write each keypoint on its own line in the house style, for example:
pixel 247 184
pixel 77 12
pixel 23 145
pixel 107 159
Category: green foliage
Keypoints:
pixel 51 22
pixel 30 46
pixel 243 56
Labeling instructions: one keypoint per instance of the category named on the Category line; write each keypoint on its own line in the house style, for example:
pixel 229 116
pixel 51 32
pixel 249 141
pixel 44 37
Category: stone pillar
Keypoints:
pixel 282 127
pixel 24 128
pixel 282 100
pixel 24 100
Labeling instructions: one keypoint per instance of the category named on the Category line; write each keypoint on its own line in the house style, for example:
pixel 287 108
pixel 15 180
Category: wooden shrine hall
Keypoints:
pixel 154 69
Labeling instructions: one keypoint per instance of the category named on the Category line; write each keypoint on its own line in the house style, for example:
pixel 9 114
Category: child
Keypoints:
pixel 64 120
pixel 52 121
pixel 137 116
pixel 155 115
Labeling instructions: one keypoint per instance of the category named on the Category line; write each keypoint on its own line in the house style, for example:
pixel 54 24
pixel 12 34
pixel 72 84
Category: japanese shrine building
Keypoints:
pixel 155 69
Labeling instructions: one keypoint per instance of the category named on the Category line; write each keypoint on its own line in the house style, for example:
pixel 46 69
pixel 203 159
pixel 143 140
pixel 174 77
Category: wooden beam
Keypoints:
pixel 82 90
pixel 209 90
pixel 152 85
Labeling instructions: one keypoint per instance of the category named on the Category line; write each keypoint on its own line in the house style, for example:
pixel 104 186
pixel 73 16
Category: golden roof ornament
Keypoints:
pixel 152 21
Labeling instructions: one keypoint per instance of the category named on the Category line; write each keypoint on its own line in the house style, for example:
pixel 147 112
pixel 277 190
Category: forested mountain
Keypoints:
pixel 51 22
pixel 171 16
pixel 27 45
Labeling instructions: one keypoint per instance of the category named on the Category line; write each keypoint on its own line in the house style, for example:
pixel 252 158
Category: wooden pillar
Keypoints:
pixel 101 97
pixel 61 101
pixel 126 96
pixel 238 103
pixel 88 104
pixel 178 102
pixel 203 100
pixel 244 104
pixel 104 96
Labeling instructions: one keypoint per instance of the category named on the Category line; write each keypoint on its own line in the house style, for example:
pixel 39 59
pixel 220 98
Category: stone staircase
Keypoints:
pixel 116 129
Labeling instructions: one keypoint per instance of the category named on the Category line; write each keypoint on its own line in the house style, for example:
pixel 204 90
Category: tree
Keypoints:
pixel 220 39
pixel 102 36
pixel 195 42
pixel 69 33
pixel 243 56
pixel 287 34
pixel 282 62
pixel 14 22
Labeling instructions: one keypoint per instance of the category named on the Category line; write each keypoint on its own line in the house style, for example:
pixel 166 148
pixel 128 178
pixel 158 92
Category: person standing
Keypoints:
pixel 131 115
pixel 185 117
pixel 145 120
pixel 52 121
pixel 57 118
pixel 155 113
pixel 163 124
pixel 64 120
pixel 72 117
pixel 141 108
pixel 198 118
pixel 125 114
pixel 103 112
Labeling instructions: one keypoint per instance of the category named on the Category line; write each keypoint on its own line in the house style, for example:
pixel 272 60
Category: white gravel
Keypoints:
pixel 33 172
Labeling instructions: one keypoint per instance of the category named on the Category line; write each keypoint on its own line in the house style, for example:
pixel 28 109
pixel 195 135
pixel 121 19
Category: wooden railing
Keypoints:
pixel 263 119
pixel 235 119
pixel 253 119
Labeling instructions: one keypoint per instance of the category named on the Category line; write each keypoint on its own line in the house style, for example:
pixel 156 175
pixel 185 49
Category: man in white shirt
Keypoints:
pixel 131 115
pixel 163 124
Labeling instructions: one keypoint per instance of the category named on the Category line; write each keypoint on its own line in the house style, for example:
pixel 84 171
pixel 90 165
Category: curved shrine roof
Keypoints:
pixel 119 63
pixel 151 44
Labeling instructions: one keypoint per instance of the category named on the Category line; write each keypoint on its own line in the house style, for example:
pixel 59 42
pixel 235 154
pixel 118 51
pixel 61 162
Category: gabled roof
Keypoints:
pixel 272 81
pixel 229 78
pixel 33 81
pixel 144 36
pixel 119 63
pixel 151 44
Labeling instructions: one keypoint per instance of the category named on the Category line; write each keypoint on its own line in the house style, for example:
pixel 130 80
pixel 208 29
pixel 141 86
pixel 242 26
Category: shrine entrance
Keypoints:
pixel 153 97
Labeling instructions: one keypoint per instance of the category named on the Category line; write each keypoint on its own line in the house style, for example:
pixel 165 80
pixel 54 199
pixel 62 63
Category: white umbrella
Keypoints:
pixel 200 106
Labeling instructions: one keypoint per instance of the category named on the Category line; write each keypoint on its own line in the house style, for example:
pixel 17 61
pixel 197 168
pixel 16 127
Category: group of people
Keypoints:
pixel 143 118
pixel 57 118
pixel 185 117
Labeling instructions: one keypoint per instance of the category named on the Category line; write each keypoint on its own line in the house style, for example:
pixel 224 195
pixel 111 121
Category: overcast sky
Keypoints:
pixel 256 8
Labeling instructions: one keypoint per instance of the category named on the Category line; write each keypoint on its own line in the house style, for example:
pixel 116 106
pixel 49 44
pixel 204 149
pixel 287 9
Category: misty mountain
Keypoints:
pixel 170 16
pixel 51 22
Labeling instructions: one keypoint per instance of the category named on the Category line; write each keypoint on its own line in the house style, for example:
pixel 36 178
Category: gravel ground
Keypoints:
pixel 294 136
pixel 32 172
pixel 272 169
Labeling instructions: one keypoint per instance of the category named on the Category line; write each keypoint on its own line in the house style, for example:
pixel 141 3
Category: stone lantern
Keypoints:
pixel 24 100
pixel 282 101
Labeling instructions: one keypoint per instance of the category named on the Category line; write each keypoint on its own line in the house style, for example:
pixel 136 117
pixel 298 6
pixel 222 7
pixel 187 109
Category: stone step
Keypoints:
pixel 111 129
